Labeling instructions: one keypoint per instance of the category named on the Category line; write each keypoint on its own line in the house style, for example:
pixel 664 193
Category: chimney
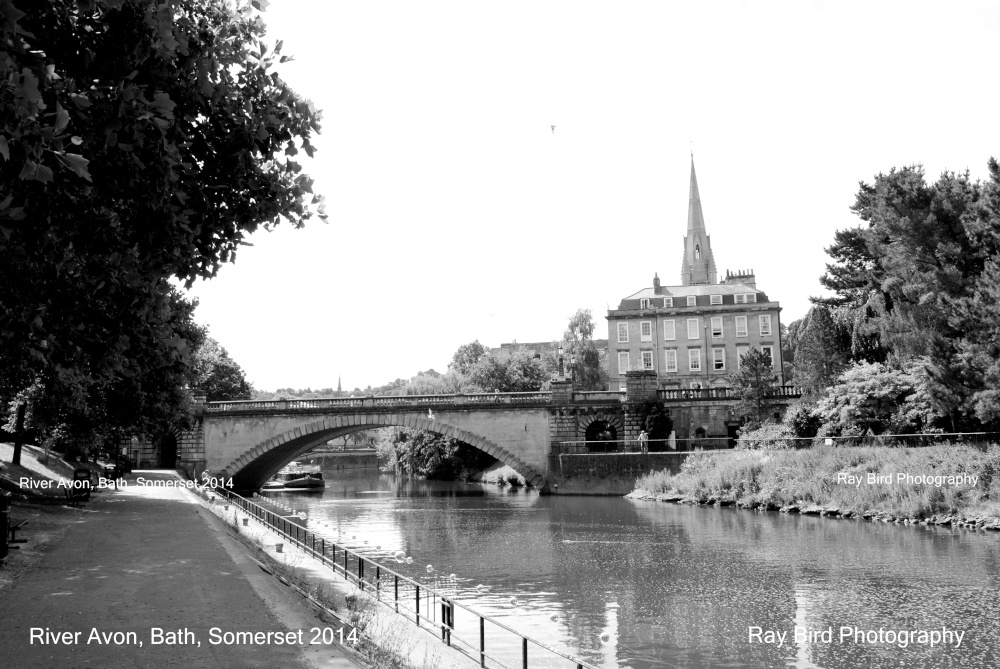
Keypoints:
pixel 656 284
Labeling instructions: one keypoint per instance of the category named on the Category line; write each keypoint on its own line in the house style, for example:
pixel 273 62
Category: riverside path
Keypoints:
pixel 146 557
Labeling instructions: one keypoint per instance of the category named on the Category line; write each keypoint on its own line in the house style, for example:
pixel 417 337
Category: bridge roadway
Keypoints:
pixel 250 440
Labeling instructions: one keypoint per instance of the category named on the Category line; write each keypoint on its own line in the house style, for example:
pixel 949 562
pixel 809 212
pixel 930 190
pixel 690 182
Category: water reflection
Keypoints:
pixel 645 584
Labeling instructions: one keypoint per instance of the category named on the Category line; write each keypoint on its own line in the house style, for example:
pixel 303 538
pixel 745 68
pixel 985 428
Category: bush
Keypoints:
pixel 769 437
pixel 799 417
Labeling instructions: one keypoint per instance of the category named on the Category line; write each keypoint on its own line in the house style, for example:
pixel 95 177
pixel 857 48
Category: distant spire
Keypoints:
pixel 698 266
pixel 339 389
pixel 696 218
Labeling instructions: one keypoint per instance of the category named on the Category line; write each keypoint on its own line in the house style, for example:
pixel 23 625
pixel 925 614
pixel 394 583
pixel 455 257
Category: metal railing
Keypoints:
pixel 635 446
pixel 978 439
pixel 430 609
pixel 915 440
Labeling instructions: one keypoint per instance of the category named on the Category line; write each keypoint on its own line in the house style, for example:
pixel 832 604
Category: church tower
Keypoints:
pixel 698 266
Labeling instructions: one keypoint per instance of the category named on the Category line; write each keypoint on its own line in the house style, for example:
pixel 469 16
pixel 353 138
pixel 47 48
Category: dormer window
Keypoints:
pixel 716 299
pixel 741 298
pixel 644 303
pixel 691 300
pixel 668 301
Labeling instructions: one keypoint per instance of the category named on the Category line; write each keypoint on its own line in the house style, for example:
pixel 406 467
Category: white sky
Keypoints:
pixel 457 214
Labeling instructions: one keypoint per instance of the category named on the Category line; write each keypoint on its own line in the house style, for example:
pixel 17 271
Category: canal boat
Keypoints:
pixel 296 477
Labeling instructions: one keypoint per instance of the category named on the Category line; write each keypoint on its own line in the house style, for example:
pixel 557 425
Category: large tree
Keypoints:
pixel 822 350
pixel 507 372
pixel 219 376
pixel 755 384
pixel 588 372
pixel 904 281
pixel 138 142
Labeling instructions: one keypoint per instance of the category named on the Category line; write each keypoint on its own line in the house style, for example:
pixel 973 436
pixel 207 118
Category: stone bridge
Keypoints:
pixel 251 440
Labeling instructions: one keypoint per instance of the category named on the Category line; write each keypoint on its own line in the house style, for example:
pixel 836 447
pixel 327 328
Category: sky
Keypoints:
pixel 457 213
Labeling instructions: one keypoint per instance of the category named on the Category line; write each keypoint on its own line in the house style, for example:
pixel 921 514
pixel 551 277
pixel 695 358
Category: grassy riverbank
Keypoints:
pixel 835 481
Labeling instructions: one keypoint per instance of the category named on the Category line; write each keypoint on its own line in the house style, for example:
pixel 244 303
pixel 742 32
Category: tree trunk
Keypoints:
pixel 18 430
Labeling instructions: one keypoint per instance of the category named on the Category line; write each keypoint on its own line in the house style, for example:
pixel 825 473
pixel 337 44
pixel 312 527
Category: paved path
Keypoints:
pixel 143 558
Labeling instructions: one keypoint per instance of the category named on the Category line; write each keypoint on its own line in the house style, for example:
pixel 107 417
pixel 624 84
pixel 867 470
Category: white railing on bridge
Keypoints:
pixel 382 402
pixel 481 399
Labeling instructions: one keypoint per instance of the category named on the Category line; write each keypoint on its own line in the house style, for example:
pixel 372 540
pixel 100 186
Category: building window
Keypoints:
pixel 718 359
pixel 647 360
pixel 669 331
pixel 766 350
pixel 668 301
pixel 644 303
pixel 716 299
pixel 751 297
pixel 694 359
pixel 692 300
pixel 646 331
pixel 692 328
pixel 622 385
pixel 671 361
pixel 741 326
pixel 622 362
pixel 623 333
pixel 716 327
pixel 741 298
pixel 740 352
pixel 765 325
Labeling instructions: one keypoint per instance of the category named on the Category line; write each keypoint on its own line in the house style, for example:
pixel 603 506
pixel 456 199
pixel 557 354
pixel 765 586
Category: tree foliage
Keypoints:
pixel 466 357
pixel 914 283
pixel 218 375
pixel 146 396
pixel 876 398
pixel 514 371
pixel 822 350
pixel 139 141
pixel 755 383
pixel 588 370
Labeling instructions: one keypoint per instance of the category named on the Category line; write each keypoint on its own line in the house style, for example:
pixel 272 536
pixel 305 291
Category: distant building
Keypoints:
pixel 694 335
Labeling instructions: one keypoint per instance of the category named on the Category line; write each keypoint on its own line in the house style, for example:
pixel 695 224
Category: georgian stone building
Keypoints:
pixel 693 335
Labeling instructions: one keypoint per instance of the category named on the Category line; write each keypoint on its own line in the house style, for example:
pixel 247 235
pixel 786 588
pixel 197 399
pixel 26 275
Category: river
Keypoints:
pixel 623 583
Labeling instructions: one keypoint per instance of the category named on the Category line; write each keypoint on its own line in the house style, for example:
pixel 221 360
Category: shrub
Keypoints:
pixel 799 417
pixel 768 436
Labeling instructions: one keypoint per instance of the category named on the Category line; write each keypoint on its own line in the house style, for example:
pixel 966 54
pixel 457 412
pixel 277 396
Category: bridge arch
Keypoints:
pixel 252 469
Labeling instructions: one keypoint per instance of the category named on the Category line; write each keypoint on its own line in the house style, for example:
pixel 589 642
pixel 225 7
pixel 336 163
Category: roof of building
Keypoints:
pixel 705 289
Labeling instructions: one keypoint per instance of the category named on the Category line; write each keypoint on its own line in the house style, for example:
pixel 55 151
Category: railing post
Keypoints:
pixel 418 605
pixel 524 651
pixel 395 590
pixel 361 573
pixel 378 581
pixel 482 641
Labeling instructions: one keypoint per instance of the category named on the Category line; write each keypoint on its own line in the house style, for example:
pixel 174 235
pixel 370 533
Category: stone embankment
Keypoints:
pixel 957 520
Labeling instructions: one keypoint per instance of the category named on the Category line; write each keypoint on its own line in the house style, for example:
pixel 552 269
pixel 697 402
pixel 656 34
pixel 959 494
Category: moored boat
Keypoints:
pixel 296 477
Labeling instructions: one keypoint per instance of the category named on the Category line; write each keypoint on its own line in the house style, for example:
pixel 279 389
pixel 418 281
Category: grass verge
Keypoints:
pixel 828 480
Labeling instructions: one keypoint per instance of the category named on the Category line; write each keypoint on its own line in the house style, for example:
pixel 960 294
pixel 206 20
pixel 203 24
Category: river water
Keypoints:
pixel 623 583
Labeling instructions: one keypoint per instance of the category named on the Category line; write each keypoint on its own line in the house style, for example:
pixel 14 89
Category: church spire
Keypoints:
pixel 698 266
pixel 339 390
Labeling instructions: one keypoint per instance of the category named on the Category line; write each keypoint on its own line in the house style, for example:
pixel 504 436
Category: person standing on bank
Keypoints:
pixel 643 442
